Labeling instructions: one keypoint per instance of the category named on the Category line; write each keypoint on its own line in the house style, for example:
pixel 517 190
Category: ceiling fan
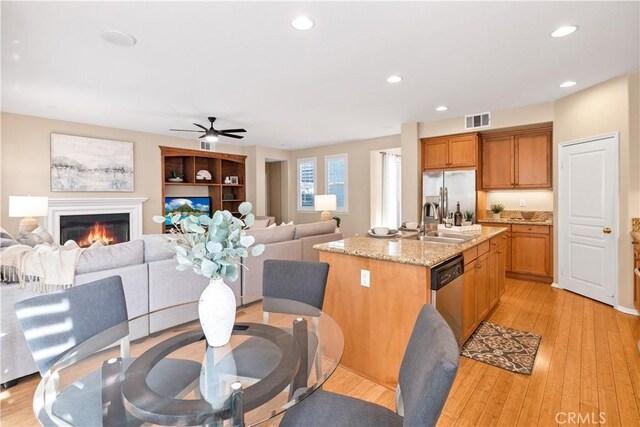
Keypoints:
pixel 211 134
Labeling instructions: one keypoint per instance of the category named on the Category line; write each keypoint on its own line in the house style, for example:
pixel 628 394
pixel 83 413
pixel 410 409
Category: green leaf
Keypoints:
pixel 214 247
pixel 249 220
pixel 204 220
pixel 217 218
pixel 247 241
pixel 180 250
pixel 196 228
pixel 208 268
pixel 245 208
pixel 232 272
pixel 176 219
pixel 159 219
pixel 257 250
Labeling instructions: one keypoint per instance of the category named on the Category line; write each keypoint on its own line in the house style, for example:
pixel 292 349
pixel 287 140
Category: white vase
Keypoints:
pixel 217 311
pixel 496 216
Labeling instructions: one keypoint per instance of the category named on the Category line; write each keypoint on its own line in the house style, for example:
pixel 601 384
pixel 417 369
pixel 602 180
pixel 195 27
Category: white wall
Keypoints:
pixel 357 220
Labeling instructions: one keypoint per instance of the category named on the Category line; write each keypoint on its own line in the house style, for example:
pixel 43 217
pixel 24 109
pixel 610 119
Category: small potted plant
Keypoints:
pixel 496 208
pixel 175 177
pixel 468 218
pixel 213 247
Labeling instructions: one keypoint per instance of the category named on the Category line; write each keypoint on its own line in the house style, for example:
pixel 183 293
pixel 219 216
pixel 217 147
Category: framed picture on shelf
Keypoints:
pixel 234 180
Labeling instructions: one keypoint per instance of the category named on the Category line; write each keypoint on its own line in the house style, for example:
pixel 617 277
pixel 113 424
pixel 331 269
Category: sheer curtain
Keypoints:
pixel 391 190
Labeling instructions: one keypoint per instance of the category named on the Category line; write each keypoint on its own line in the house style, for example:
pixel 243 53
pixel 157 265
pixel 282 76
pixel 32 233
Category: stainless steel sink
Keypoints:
pixel 449 237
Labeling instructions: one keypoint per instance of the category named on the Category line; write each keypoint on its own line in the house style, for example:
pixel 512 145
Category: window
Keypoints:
pixel 336 176
pixel 306 183
pixel 391 189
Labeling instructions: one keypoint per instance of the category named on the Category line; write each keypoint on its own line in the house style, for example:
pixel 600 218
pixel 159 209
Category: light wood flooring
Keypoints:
pixel 587 370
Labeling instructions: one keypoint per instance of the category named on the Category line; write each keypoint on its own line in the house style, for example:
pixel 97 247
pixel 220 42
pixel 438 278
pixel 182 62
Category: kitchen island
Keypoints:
pixel 377 313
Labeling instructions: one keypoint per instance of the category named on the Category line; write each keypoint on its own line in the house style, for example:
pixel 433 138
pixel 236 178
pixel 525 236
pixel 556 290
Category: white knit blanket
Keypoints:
pixel 43 267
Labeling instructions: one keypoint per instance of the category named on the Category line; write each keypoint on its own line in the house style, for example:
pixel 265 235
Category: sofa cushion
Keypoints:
pixel 155 247
pixel 273 235
pixel 259 224
pixel 315 228
pixel 108 257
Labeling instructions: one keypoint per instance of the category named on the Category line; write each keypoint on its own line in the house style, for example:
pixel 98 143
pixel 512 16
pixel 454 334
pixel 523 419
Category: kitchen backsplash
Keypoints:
pixel 539 215
pixel 635 225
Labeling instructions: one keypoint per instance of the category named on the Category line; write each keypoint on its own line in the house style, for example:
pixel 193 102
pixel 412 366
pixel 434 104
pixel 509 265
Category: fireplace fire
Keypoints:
pixel 85 230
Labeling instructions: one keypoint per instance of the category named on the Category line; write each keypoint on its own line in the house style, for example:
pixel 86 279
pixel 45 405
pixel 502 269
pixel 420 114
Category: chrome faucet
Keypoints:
pixel 427 218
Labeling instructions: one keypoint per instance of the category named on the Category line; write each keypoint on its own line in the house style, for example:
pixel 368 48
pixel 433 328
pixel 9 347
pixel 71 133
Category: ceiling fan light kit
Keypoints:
pixel 211 134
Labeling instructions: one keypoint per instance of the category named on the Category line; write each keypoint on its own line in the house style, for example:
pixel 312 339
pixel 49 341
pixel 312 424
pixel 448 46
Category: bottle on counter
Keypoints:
pixel 457 217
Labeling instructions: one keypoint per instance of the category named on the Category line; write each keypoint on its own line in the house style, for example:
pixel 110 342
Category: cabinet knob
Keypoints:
pixel 606 230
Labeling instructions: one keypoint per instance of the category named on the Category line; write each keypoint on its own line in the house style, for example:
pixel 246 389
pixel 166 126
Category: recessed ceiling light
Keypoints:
pixel 302 23
pixel 16 42
pixel 394 79
pixel 442 108
pixel 118 38
pixel 564 31
pixel 15 57
pixel 568 83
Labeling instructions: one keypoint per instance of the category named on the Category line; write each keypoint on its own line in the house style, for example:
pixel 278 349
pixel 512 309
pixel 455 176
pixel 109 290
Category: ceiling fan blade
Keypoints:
pixel 185 130
pixel 232 130
pixel 231 135
pixel 200 126
pixel 202 136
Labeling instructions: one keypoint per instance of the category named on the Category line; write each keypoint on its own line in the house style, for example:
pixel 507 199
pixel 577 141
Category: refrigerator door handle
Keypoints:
pixel 441 205
pixel 446 202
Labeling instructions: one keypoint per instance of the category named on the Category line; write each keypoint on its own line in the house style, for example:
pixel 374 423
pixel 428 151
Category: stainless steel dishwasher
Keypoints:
pixel 447 283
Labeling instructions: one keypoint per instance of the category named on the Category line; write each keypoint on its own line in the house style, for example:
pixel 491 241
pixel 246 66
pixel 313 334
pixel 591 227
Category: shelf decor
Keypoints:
pixel 80 163
pixel 213 247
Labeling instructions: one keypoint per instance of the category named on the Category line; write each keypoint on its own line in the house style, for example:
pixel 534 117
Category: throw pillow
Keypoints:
pixel 6 239
pixel 288 223
pixel 273 225
pixel 36 237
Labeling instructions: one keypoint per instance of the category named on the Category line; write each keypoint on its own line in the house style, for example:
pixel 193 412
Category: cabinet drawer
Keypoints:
pixel 496 224
pixel 483 248
pixel 532 229
pixel 470 255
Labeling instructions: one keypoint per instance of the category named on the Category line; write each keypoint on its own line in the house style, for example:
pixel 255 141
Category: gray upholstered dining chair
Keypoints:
pixel 299 281
pixel 427 372
pixel 55 323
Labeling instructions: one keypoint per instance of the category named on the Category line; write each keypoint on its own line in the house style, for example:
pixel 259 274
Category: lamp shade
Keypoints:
pixel 27 206
pixel 325 202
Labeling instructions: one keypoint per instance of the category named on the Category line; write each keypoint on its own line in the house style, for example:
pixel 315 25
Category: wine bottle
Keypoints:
pixel 457 217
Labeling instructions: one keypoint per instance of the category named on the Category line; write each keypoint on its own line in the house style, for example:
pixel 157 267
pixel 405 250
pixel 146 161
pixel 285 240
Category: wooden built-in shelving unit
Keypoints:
pixel 187 163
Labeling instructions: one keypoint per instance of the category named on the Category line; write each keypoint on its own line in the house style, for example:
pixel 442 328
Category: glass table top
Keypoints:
pixel 280 351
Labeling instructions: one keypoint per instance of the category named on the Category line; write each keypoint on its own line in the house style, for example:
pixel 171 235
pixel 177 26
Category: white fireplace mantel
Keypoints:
pixel 89 206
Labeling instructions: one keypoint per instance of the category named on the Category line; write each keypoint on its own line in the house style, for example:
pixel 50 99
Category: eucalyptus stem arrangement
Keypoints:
pixel 213 246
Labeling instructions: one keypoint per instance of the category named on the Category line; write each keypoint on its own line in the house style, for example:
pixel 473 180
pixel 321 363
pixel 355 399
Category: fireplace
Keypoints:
pixel 108 229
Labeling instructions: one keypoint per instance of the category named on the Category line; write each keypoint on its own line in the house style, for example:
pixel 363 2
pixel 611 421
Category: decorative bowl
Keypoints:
pixel 527 215
pixel 381 231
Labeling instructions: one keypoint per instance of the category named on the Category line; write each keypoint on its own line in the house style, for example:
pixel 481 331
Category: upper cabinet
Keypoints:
pixel 518 159
pixel 450 152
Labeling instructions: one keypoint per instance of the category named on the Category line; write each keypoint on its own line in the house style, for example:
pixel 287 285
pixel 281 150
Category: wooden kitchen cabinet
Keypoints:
pixel 497 258
pixel 497 162
pixel 469 318
pixel 533 160
pixel 482 287
pixel 502 263
pixel 450 152
pixel 516 159
pixel 636 278
pixel 531 250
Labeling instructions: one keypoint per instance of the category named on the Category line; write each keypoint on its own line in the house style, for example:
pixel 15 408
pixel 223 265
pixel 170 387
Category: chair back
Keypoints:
pixel 429 366
pixel 300 281
pixel 54 323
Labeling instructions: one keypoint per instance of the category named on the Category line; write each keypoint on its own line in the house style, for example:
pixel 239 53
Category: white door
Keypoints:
pixel 588 217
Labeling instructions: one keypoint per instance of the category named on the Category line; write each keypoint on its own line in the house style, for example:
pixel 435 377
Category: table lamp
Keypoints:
pixel 325 203
pixel 28 207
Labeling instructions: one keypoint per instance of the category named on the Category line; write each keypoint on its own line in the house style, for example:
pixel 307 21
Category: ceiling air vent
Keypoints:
pixel 207 146
pixel 475 121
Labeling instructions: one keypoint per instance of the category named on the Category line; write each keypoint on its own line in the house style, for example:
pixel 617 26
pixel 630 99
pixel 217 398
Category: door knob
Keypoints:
pixel 606 230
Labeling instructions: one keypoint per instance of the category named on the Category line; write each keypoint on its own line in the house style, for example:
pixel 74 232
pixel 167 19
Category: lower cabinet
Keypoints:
pixel 483 282
pixel 469 318
pixel 482 287
pixel 530 254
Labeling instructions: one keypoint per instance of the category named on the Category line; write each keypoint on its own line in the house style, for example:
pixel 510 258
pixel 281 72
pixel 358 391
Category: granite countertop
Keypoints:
pixel 515 221
pixel 636 235
pixel 415 252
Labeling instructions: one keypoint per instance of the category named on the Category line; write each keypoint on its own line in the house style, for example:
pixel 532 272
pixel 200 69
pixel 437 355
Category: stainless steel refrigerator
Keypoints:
pixel 448 188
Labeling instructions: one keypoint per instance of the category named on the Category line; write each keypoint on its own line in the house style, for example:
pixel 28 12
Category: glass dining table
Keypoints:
pixel 279 353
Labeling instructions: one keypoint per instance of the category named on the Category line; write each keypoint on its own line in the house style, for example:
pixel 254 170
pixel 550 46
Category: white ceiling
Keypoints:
pixel 244 63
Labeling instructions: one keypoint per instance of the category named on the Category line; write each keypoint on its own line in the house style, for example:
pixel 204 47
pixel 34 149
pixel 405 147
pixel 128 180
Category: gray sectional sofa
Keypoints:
pixel 151 282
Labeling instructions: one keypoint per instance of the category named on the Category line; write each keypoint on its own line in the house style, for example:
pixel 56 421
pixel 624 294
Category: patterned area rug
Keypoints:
pixel 505 348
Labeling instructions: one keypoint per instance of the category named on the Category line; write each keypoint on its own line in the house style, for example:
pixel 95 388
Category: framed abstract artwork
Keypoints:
pixel 80 163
